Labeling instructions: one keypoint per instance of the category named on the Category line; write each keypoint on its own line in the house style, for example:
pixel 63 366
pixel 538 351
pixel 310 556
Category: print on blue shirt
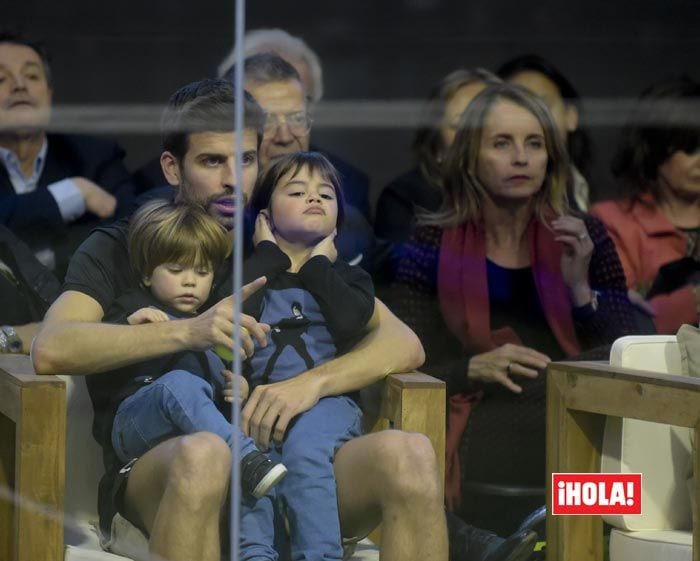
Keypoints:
pixel 298 339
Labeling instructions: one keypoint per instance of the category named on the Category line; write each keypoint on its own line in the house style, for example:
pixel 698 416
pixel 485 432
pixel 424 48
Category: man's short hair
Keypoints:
pixel 279 41
pixel 163 231
pixel 37 46
pixel 205 106
pixel 264 68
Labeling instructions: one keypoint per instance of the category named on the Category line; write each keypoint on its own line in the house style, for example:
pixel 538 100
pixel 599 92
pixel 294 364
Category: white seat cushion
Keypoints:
pixel 651 546
pixel 660 452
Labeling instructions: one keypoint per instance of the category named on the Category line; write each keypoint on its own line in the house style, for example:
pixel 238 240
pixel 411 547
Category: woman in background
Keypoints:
pixel 657 226
pixel 542 78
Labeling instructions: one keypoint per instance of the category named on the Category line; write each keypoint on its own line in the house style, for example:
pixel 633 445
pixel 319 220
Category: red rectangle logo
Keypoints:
pixel 597 493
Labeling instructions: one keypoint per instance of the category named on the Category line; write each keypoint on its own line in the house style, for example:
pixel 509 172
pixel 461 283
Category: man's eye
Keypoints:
pixel 249 158
pixel 500 143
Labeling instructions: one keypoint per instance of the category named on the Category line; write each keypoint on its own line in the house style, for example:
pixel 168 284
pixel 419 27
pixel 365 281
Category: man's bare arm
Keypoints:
pixel 73 341
pixel 390 346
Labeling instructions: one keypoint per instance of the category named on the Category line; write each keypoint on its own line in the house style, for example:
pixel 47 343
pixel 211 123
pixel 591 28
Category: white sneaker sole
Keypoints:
pixel 272 478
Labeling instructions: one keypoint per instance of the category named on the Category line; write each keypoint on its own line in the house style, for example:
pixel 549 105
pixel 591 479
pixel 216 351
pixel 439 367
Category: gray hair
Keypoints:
pixel 280 42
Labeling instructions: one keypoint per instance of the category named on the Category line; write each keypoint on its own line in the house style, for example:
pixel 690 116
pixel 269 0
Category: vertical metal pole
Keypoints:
pixel 237 262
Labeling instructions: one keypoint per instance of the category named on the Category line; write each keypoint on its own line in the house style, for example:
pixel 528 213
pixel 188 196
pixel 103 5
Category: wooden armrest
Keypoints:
pixel 413 402
pixel 32 462
pixel 579 396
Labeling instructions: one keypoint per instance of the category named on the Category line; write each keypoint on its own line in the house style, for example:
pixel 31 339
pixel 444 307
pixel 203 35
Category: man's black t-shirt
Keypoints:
pixel 100 268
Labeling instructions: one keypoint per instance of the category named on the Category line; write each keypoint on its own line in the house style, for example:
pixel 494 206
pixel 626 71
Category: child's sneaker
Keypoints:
pixel 259 474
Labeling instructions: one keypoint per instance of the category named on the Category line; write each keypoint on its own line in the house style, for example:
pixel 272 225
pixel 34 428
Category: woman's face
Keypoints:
pixel 680 173
pixel 512 160
pixel 565 115
pixel 453 111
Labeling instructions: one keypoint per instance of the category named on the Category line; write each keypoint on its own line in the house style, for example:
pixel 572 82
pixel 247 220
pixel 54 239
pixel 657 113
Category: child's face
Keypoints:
pixel 182 288
pixel 304 207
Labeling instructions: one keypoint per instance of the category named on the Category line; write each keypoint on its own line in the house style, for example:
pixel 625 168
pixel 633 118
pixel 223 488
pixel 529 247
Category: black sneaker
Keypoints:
pixel 259 474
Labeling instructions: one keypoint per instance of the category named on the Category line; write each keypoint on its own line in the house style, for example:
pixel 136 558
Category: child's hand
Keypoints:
pixel 263 229
pixel 147 315
pixel 326 247
pixel 243 388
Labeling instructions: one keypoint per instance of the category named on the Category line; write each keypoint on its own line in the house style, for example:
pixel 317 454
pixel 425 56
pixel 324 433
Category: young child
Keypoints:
pixel 174 249
pixel 317 307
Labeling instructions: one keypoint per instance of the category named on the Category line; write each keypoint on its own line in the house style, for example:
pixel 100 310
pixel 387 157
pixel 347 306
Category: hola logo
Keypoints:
pixel 597 493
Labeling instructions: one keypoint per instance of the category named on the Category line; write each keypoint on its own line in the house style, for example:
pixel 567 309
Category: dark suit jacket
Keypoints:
pixel 35 216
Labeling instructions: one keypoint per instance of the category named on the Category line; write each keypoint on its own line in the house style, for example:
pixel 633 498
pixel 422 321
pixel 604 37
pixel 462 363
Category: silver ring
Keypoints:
pixel 582 236
pixel 508 370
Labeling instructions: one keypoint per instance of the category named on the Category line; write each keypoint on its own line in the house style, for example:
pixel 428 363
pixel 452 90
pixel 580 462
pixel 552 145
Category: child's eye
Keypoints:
pixel 327 196
pixel 174 269
pixel 203 272
pixel 296 194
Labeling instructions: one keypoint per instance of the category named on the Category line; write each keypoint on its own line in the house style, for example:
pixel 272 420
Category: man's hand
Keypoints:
pixel 215 326
pixel 97 200
pixel 147 315
pixel 271 408
pixel 243 387
pixel 326 247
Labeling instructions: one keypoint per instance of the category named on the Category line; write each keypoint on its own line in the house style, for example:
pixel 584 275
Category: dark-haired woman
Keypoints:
pixel 657 227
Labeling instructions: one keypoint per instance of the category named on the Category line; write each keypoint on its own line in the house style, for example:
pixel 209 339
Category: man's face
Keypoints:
pixel 287 127
pixel 25 95
pixel 207 175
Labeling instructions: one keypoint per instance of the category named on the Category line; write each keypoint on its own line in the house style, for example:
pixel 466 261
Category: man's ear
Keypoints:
pixel 571 117
pixel 171 168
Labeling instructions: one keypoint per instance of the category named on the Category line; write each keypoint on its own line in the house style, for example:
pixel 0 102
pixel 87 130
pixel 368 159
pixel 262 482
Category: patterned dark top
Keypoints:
pixel 414 299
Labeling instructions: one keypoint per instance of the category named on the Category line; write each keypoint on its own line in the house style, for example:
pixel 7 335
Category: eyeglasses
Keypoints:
pixel 299 123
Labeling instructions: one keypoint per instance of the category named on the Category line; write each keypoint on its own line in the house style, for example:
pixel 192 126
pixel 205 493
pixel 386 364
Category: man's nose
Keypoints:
pixel 283 135
pixel 18 82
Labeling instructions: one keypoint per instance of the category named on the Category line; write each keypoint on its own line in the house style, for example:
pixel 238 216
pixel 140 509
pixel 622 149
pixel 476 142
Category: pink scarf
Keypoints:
pixel 464 300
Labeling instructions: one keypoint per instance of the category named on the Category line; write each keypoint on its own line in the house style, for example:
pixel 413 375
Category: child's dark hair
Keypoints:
pixel 294 163
pixel 165 232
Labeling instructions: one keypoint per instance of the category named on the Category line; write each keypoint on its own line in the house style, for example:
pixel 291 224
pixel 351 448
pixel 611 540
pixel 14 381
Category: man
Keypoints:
pixel 277 87
pixel 175 492
pixel 292 49
pixel 54 188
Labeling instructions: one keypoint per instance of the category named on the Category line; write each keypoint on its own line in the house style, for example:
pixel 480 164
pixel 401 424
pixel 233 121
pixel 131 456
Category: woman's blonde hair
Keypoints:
pixel 166 232
pixel 465 193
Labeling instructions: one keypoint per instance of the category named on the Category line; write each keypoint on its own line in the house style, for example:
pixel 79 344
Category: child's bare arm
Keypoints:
pixel 147 315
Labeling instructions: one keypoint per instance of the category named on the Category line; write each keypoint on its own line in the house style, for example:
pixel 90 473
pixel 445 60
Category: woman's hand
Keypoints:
pixel 326 247
pixel 501 364
pixel 571 232
pixel 263 229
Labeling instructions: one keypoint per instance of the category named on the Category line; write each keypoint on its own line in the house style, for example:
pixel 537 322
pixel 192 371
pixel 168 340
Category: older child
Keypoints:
pixel 317 307
pixel 174 250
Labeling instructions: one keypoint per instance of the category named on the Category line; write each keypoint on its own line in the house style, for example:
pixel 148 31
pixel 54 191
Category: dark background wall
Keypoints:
pixel 139 52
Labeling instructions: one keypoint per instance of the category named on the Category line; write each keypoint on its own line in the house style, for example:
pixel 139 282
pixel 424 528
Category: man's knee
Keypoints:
pixel 201 469
pixel 409 467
